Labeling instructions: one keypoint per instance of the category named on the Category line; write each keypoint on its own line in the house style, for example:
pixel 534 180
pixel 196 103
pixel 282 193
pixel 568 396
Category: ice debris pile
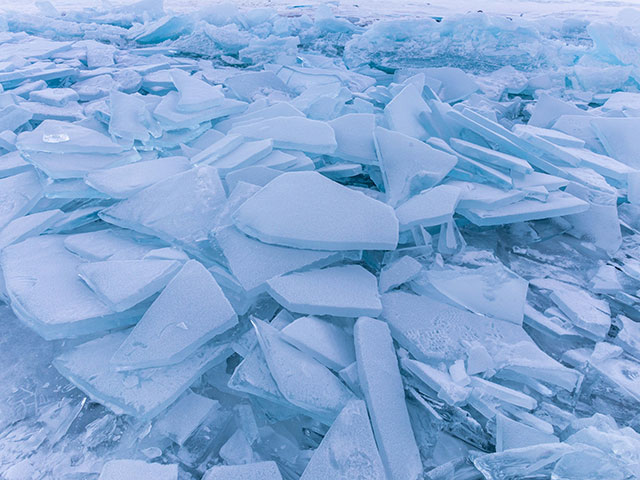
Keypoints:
pixel 259 246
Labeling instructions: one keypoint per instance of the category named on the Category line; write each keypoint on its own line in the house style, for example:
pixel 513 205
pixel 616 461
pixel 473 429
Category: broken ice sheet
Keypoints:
pixel 294 133
pixel 120 469
pixel 56 303
pixel 303 381
pixel 252 471
pixel 179 209
pixel 326 342
pixel 126 180
pixel 190 311
pixel 142 393
pixel 408 165
pixel 491 290
pixel 348 450
pixel 253 263
pixel 307 210
pixel 123 284
pixel 383 390
pixel 347 291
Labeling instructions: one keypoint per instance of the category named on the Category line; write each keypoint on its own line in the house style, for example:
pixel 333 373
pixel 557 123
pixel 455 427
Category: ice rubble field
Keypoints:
pixel 243 245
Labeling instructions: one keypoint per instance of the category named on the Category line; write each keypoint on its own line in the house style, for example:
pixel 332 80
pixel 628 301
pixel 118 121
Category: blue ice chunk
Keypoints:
pixel 110 244
pixel 141 393
pixel 579 126
pixel 189 312
pixel 125 283
pixel 166 28
pixel 252 375
pixel 54 136
pixel 403 270
pixel 539 179
pixel 57 97
pixel 602 164
pixel 439 381
pixel 347 291
pixel 255 174
pixel 294 133
pixel 75 219
pixel 71 112
pixel 30 225
pixel 557 204
pixel 409 165
pixel 57 304
pixel 589 314
pixel 18 194
pixel 383 390
pixel 122 469
pixel 126 180
pixel 217 149
pixel 470 169
pixel 130 117
pixel 456 85
pixel 247 85
pixel 348 450
pixel 548 109
pixel 600 224
pixel 434 206
pixel 491 290
pixel 304 382
pixel 178 209
pixel 253 263
pixel 254 114
pixel 618 135
pixel 181 420
pixel 493 132
pixel 554 136
pixel 511 434
pixel 326 342
pixel 442 335
pixel 195 94
pixel 14 116
pixel 244 155
pixel 501 393
pixel 493 157
pixel 62 166
pixel 550 150
pixel 340 170
pixel 171 117
pixel 251 471
pixel 480 195
pixel 538 460
pixel 354 135
pixel 402 113
pixel 13 163
pixel 307 210
pixel 8 140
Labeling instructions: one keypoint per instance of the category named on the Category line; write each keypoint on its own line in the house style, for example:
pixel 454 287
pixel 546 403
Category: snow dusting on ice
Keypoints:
pixel 351 240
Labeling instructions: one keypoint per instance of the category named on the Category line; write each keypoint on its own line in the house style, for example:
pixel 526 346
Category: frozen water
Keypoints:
pixel 201 210
pixel 190 311
pixel 382 387
pixel 347 291
pixel 306 210
pixel 348 450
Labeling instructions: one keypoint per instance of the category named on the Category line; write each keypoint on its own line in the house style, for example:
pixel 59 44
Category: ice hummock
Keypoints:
pixel 202 213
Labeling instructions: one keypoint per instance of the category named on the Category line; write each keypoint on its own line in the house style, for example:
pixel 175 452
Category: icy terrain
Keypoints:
pixel 285 243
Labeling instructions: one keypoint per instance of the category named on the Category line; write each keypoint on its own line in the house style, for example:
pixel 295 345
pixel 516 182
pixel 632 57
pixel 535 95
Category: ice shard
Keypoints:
pixel 190 311
pixel 307 210
pixel 347 290
pixel 382 387
pixel 348 450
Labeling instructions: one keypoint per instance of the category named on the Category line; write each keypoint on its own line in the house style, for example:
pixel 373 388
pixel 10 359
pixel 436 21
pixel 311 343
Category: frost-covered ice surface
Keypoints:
pixel 280 244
